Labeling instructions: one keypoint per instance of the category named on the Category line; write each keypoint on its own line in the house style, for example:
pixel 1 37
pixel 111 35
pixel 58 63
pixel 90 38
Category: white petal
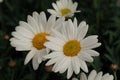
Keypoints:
pixel 75 22
pixel 42 54
pixel 74 79
pixel 69 72
pixel 110 77
pixel 50 24
pixel 59 35
pixel 20 37
pixel 64 3
pixel 76 64
pixel 53 55
pixel 92 52
pixel 85 56
pixel 107 77
pixel 35 16
pixel 92 46
pixel 20 45
pixel 29 56
pixel 70 29
pixel 26 42
pixel 22 48
pixel 35 62
pixel 82 30
pixel 47 50
pixel 33 23
pixel 54 60
pixel 58 24
pixel 42 21
pixel 65 65
pixel 55 7
pixel 83 66
pixel 88 41
pixel 75 26
pixel 99 76
pixel 58 68
pixel 24 32
pixel 53 47
pixel 92 75
pixel 65 30
pixel 57 63
pixel 56 41
pixel 28 26
pixel 69 4
pixel 52 12
pixel 58 59
pixel 75 6
pixel 59 5
pixel 83 76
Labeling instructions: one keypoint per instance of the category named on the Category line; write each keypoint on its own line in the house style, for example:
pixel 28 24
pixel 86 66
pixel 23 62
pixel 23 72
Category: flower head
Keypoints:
pixel 114 67
pixel 64 8
pixel 70 49
pixel 96 76
pixel 31 35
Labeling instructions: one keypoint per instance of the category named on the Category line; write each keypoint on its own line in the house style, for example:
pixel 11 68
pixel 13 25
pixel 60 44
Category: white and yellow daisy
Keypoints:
pixel 31 35
pixel 96 76
pixel 71 49
pixel 64 8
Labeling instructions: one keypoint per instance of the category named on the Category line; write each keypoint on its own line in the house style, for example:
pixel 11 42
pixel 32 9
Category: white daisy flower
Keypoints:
pixel 64 8
pixel 31 36
pixel 70 49
pixel 96 76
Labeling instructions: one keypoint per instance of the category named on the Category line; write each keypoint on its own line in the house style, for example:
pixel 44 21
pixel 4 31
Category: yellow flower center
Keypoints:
pixel 72 48
pixel 39 40
pixel 65 11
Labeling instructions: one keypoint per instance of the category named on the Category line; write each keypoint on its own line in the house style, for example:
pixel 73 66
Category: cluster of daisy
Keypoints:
pixel 60 40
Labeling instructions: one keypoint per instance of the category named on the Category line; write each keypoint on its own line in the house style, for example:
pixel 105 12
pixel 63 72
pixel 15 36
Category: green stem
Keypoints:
pixel 115 74
pixel 22 71
pixel 95 3
pixel 8 5
pixel 45 76
pixel 12 76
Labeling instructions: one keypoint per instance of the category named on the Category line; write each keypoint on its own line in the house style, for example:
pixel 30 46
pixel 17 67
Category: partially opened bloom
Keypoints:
pixel 70 49
pixel 96 76
pixel 31 35
pixel 64 8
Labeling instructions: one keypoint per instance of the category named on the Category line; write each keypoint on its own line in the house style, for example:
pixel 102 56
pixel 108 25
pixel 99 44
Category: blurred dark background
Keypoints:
pixel 103 17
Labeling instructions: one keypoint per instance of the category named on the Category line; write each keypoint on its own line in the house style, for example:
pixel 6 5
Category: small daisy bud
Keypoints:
pixel 49 68
pixel 6 37
pixel 114 66
pixel 12 63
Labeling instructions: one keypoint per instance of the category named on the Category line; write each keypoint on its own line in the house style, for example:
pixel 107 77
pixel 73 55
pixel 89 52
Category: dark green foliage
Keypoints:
pixel 103 17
